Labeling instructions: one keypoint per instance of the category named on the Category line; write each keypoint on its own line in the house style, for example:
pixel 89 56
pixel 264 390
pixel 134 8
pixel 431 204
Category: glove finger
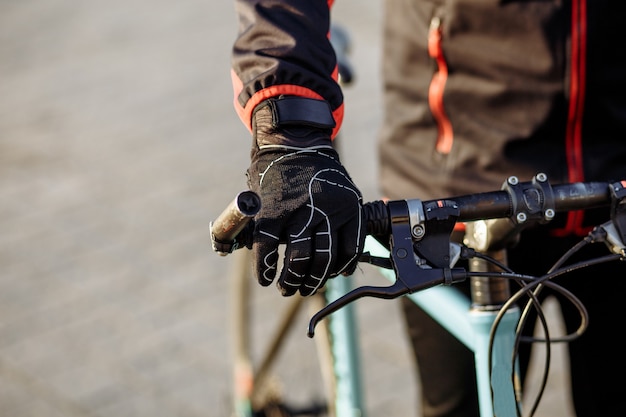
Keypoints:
pixel 350 242
pixel 324 255
pixel 296 264
pixel 311 260
pixel 265 255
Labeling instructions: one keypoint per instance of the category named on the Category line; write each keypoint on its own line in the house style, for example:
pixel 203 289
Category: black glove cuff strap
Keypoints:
pixel 300 111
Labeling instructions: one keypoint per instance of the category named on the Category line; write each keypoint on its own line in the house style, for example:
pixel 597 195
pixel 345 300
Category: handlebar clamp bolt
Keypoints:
pixel 521 217
pixel 513 180
pixel 418 231
pixel 549 214
pixel 541 177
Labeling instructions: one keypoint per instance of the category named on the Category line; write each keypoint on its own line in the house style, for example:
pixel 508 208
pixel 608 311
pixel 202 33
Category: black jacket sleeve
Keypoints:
pixel 283 48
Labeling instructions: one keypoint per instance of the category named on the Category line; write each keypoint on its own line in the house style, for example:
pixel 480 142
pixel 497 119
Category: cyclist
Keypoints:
pixel 474 92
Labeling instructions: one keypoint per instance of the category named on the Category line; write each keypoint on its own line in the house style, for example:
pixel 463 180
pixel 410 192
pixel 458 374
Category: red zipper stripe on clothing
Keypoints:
pixel 573 134
pixel 445 136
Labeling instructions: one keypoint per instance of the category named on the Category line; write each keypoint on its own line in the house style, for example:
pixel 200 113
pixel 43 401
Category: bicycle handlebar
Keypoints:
pixel 520 201
pixel 421 229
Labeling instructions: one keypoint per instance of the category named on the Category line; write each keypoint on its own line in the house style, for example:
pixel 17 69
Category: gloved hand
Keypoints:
pixel 308 200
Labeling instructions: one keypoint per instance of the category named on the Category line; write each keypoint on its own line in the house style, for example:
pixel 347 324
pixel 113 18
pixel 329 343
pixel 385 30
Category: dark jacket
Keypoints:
pixel 475 91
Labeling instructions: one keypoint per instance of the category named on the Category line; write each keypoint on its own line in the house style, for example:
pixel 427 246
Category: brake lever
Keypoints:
pixel 425 278
pixel 410 276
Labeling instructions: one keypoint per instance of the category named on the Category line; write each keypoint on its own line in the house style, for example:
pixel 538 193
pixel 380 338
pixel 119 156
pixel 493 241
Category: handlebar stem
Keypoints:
pixel 532 200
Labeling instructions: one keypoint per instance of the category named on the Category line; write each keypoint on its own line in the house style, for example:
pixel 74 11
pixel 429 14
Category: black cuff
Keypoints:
pixel 300 111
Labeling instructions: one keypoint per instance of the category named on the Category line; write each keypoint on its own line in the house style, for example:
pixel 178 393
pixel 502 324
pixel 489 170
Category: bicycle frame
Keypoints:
pixel 469 322
pixel 453 311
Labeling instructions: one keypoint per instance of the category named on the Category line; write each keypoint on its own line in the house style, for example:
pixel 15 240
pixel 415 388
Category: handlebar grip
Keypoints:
pixel 231 230
pixel 226 230
pixel 377 218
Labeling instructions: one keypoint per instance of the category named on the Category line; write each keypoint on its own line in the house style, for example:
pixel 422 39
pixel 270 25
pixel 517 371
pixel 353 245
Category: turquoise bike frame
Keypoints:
pixel 343 328
pixel 454 312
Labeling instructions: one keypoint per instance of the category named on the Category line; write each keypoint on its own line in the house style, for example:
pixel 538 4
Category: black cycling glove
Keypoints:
pixel 308 201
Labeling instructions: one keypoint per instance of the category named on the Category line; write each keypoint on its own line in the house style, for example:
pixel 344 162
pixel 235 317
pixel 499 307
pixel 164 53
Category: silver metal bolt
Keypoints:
pixel 549 214
pixel 521 217
pixel 418 231
pixel 513 180
pixel 541 177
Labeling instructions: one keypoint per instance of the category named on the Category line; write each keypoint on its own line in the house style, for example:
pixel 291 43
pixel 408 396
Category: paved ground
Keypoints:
pixel 118 145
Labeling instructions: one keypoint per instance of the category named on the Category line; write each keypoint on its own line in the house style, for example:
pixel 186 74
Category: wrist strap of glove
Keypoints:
pixel 290 122
pixel 291 110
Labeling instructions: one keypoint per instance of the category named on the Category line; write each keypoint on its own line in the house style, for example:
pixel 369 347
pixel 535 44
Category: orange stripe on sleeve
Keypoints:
pixel 245 113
